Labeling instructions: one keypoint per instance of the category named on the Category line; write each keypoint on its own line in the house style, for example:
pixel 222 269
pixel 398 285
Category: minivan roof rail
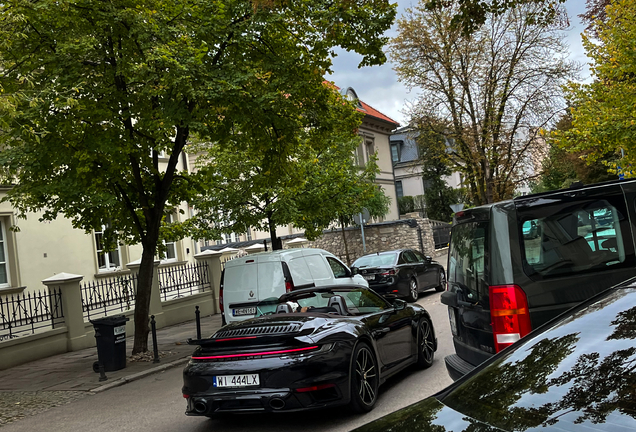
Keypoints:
pixel 575 185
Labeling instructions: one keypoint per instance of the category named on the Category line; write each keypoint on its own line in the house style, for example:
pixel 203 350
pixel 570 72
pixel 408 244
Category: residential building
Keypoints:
pixel 407 168
pixel 31 251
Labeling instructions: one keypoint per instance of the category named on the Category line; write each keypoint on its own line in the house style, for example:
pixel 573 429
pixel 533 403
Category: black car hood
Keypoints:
pixel 428 415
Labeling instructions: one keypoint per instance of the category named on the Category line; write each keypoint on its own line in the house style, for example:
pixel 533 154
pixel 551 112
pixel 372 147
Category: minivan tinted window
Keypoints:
pixel 578 238
pixel 467 258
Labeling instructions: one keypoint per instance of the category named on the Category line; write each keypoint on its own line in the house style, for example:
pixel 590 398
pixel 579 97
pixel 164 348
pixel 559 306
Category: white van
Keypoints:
pixel 247 280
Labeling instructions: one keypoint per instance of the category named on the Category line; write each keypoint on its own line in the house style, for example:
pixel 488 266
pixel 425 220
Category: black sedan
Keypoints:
pixel 576 373
pixel 400 273
pixel 311 348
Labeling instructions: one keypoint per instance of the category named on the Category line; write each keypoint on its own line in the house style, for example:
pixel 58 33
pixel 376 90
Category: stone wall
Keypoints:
pixel 413 233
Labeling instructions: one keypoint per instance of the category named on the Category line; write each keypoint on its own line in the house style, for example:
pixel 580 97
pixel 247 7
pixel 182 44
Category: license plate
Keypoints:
pixel 244 311
pixel 369 277
pixel 244 380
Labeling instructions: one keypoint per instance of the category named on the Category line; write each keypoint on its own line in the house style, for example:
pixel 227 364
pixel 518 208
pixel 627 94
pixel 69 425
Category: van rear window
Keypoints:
pixel 577 238
pixel 467 258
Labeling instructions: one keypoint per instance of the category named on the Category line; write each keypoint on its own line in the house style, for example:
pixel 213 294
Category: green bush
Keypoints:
pixel 406 204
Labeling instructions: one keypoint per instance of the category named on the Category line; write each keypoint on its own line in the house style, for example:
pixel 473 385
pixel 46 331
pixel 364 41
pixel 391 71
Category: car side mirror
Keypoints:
pixel 355 271
pixel 399 304
pixel 428 258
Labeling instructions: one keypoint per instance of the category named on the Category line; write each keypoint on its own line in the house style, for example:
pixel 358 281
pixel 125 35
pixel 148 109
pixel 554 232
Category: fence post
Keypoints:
pixel 213 259
pixel 156 308
pixel 69 286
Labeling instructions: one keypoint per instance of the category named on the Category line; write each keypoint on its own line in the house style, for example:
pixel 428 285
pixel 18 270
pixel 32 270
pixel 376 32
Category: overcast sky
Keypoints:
pixel 379 87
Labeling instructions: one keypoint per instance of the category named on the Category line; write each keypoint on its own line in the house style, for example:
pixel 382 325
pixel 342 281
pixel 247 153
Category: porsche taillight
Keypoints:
pixel 509 314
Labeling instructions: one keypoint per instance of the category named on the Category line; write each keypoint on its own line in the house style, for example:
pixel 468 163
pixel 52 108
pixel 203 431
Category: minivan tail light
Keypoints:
pixel 509 314
pixel 289 286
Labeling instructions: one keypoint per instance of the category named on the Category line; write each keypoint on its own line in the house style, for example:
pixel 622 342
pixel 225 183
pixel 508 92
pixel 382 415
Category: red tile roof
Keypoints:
pixel 369 110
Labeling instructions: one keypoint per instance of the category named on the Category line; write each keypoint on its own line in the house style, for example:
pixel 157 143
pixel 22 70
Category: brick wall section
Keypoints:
pixel 379 237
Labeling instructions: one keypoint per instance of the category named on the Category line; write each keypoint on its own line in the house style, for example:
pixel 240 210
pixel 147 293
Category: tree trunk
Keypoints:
pixel 344 241
pixel 142 300
pixel 277 244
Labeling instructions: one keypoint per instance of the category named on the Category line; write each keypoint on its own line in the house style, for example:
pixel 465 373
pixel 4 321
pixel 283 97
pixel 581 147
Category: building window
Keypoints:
pixel 106 261
pixel 398 189
pixel 170 253
pixel 4 265
pixel 395 153
pixel 369 150
pixel 358 155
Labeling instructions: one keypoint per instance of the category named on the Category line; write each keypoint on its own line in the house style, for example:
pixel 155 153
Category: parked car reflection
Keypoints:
pixel 576 373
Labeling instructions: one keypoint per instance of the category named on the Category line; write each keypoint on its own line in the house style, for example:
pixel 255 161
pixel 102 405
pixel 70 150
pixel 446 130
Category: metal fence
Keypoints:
pixel 180 281
pixel 226 260
pixel 24 314
pixel 105 296
pixel 441 233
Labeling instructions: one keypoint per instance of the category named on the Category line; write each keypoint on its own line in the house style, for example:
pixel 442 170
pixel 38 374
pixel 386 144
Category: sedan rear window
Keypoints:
pixel 379 260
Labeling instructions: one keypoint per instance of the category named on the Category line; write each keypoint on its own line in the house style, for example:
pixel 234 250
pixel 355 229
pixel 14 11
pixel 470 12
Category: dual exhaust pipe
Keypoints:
pixel 201 405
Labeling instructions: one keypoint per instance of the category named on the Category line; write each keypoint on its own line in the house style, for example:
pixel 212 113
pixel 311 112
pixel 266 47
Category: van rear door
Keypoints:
pixel 248 281
pixel 240 289
pixel 468 288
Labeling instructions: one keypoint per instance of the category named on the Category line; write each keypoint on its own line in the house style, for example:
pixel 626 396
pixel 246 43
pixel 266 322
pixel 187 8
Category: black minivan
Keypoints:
pixel 514 265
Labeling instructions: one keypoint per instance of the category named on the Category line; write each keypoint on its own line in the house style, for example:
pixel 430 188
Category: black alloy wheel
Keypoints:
pixel 441 286
pixel 365 380
pixel 414 291
pixel 425 343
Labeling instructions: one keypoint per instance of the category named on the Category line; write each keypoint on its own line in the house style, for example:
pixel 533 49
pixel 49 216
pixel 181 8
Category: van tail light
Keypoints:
pixel 509 314
pixel 289 286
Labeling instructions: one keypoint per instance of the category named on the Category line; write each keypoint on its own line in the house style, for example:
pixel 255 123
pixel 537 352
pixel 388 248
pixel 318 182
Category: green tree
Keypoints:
pixel 435 157
pixel 488 92
pixel 98 90
pixel 602 111
pixel 308 183
pixel 561 167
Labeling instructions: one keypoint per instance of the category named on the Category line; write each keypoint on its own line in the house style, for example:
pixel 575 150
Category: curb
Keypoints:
pixel 139 375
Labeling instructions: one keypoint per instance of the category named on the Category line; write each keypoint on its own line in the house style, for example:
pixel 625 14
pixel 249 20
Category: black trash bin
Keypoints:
pixel 110 335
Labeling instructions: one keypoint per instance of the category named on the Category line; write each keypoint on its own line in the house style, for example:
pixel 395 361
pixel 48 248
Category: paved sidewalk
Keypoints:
pixel 73 371
pixel 37 386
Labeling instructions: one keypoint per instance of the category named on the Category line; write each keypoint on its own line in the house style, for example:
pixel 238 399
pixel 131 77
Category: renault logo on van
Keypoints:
pixel 251 293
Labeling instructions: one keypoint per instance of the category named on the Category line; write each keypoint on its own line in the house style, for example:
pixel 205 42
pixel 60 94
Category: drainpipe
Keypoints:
pixel 419 236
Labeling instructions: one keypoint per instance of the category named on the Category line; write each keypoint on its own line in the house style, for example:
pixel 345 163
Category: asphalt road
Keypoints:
pixel 155 404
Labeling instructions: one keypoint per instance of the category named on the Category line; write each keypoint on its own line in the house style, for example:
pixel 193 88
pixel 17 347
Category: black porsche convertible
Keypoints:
pixel 311 348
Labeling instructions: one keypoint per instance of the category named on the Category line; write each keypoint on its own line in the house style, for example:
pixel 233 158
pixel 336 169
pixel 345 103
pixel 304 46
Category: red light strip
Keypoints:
pixel 256 353
pixel 236 338
pixel 315 388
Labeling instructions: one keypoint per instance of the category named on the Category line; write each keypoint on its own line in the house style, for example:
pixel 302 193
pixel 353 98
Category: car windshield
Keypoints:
pixel 377 260
pixel 267 306
pixel 359 301
pixel 577 375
